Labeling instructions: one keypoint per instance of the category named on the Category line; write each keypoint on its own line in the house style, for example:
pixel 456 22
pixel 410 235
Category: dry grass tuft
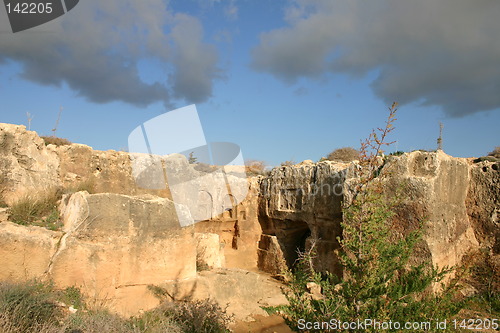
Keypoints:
pixel 345 154
pixel 37 209
pixel 52 140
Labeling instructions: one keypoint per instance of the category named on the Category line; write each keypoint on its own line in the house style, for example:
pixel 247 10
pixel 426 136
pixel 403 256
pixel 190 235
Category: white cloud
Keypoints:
pixel 95 49
pixel 444 53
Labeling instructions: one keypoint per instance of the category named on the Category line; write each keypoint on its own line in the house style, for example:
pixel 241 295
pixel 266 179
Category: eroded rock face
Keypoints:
pixel 301 203
pixel 26 164
pixel 25 252
pixel 116 245
pixel 105 171
pixel 433 188
pixel 483 204
pixel 239 229
pixel 209 251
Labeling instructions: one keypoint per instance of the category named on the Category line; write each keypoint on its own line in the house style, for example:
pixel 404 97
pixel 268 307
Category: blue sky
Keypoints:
pixel 285 80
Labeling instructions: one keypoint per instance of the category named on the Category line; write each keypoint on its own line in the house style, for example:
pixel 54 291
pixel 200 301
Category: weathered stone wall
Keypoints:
pixel 25 252
pixel 28 166
pixel 112 247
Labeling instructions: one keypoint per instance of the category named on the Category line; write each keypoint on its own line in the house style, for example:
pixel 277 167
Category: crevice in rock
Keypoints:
pixel 61 244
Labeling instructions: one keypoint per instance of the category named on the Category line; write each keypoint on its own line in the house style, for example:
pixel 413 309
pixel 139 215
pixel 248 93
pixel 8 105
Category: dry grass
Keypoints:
pixel 345 154
pixel 254 167
pixel 37 209
pixel 288 163
pixel 86 185
pixel 27 307
pixel 41 208
pixel 495 152
pixel 39 307
pixel 52 140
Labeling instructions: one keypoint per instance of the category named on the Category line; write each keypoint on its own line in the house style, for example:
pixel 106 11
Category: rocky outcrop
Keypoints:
pixel 103 171
pixel 483 204
pixel 112 247
pixel 243 293
pixel 26 164
pixel 132 233
pixel 115 246
pixel 25 251
pixel 432 187
pixel 303 202
pixel 239 230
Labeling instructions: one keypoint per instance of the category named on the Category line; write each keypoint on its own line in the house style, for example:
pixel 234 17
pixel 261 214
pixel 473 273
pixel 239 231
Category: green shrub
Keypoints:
pixel 397 153
pixel 72 296
pixel 484 277
pixel 378 281
pixel 345 154
pixel 52 140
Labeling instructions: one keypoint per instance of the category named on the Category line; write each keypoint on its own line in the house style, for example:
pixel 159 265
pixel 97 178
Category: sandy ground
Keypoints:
pixel 262 324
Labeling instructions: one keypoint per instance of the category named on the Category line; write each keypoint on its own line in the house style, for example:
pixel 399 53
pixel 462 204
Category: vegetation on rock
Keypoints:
pixel 378 281
pixel 255 168
pixel 41 208
pixel 345 154
pixel 52 140
pixel 37 306
pixel 495 152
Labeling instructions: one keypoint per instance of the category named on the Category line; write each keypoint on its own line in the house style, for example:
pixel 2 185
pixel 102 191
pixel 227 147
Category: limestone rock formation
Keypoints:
pixel 303 202
pixel 25 251
pixel 116 245
pixel 128 234
pixel 483 208
pixel 433 188
pixel 26 164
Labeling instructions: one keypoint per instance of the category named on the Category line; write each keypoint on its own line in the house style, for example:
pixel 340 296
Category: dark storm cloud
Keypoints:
pixel 195 63
pixel 444 53
pixel 95 49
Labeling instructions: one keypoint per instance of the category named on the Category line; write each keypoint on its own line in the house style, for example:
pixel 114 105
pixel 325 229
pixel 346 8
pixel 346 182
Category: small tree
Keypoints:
pixel 378 282
pixel 345 154
pixel 192 159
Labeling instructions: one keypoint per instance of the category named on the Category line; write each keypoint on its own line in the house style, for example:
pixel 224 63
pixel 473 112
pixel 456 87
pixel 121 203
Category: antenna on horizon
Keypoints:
pixel 30 118
pixel 57 121
pixel 440 139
